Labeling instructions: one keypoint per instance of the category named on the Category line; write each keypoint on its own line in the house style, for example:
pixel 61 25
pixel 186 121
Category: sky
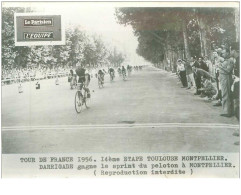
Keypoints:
pixel 98 19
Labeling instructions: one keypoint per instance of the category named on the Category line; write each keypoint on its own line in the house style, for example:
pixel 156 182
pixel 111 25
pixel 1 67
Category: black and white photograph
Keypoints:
pixel 93 86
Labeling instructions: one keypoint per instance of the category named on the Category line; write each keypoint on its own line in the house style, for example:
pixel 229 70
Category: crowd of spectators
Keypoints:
pixel 18 75
pixel 215 78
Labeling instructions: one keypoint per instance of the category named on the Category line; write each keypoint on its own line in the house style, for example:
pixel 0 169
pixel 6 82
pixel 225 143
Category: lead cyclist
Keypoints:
pixel 84 78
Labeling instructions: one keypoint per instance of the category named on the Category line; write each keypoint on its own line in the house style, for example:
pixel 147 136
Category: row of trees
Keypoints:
pixel 166 34
pixel 80 47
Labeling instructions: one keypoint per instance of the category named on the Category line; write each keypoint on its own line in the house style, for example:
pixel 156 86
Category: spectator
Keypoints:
pixel 202 64
pixel 189 74
pixel 208 89
pixel 225 70
pixel 234 56
pixel 182 72
pixel 217 61
pixel 209 64
pixel 197 76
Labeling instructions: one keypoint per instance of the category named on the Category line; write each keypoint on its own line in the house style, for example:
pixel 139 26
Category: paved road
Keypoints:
pixel 147 113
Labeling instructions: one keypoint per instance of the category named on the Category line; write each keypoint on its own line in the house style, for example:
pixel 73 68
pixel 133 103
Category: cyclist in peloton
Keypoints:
pixel 129 69
pixel 111 71
pixel 73 76
pixel 101 75
pixel 119 71
pixel 84 78
pixel 123 71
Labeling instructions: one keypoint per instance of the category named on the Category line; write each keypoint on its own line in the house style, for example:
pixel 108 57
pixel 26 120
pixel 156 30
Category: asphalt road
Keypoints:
pixel 147 113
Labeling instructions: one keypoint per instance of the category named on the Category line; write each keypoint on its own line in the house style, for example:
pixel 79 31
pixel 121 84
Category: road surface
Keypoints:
pixel 149 112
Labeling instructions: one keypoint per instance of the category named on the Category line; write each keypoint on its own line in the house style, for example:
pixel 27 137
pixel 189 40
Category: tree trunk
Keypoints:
pixel 186 48
pixel 203 37
pixel 237 24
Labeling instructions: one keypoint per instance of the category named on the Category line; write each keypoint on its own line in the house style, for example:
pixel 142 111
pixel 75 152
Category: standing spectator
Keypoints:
pixel 235 87
pixel 225 70
pixel 189 74
pixel 182 72
pixel 202 64
pixel 217 61
pixel 234 56
pixel 197 76
pixel 209 64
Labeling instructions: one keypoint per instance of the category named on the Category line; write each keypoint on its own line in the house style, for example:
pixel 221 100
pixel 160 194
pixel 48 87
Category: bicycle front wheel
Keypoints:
pixel 78 102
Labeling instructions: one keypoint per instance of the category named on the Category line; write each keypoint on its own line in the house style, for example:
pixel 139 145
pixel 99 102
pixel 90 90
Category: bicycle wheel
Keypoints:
pixel 78 102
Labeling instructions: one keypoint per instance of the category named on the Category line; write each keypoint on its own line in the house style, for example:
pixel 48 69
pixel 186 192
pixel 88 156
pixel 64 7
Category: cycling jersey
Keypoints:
pixel 81 73
pixel 100 72
pixel 111 70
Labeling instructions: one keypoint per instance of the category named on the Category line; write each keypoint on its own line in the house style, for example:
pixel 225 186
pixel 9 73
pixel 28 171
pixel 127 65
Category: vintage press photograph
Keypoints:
pixel 108 77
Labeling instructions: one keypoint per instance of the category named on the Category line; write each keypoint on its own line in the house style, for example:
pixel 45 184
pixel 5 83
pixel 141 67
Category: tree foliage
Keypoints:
pixel 168 33
pixel 80 47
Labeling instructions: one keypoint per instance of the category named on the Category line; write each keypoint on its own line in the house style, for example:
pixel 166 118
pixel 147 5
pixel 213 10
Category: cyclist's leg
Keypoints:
pixel 102 79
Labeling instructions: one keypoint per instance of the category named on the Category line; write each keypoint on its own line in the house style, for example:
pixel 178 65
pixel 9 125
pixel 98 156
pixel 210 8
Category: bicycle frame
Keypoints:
pixel 81 97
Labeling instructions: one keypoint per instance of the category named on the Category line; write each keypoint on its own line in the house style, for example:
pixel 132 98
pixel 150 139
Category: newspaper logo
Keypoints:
pixel 39 35
pixel 38 22
pixel 38 29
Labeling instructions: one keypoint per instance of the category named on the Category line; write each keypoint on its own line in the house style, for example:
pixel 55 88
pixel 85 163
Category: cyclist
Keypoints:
pixel 84 78
pixel 123 71
pixel 104 71
pixel 73 79
pixel 119 71
pixel 101 75
pixel 111 71
pixel 129 69
pixel 87 82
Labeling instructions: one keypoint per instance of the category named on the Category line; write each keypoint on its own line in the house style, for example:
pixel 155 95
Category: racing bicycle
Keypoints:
pixel 100 81
pixel 124 76
pixel 112 76
pixel 81 98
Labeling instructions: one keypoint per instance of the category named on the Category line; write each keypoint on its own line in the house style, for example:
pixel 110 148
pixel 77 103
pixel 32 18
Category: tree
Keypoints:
pixel 166 34
pixel 161 24
pixel 115 58
pixel 11 56
pixel 80 47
